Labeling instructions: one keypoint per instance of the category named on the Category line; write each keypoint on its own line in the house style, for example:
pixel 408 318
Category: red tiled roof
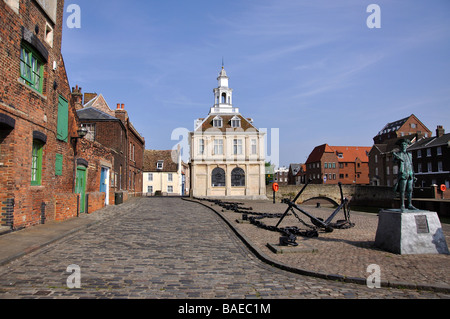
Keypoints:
pixel 351 153
pixel 317 153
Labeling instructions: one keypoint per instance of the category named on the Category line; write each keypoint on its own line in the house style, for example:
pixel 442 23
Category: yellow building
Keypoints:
pixel 226 151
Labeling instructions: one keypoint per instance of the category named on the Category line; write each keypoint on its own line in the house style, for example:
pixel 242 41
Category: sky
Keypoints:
pixel 314 70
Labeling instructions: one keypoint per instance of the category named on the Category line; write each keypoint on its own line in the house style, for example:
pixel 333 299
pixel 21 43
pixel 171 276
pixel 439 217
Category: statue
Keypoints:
pixel 406 178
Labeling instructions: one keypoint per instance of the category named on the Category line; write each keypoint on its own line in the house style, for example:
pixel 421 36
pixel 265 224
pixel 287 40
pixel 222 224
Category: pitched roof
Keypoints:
pixel 295 168
pixel 99 103
pixel 317 153
pixel 91 113
pixel 151 158
pixel 431 142
pixel 351 153
pixel 208 123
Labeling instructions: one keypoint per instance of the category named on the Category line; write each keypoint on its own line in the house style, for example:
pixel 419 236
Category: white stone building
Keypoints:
pixel 227 152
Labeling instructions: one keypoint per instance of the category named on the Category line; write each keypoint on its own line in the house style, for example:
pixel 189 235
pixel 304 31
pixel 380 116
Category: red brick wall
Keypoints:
pixel 35 111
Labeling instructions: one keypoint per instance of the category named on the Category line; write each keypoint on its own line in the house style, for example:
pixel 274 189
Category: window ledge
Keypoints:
pixel 31 89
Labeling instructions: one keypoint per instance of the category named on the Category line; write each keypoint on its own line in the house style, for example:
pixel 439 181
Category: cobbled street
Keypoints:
pixel 166 248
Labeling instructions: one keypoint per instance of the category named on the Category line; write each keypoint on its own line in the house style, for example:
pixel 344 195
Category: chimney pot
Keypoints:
pixel 440 131
pixel 118 106
pixel 123 106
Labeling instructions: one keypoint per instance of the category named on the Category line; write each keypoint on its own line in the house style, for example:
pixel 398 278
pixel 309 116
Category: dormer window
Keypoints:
pixel 160 165
pixel 218 122
pixel 235 122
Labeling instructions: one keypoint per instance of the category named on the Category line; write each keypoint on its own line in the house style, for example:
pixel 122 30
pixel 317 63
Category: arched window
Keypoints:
pixel 218 177
pixel 237 177
pixel 224 98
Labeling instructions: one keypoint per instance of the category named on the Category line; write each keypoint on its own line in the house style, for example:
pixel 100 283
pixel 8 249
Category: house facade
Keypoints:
pixel 431 159
pixel 113 129
pixel 227 151
pixel 164 173
pixel 408 126
pixel 382 167
pixel 47 170
pixel 281 176
pixel 348 165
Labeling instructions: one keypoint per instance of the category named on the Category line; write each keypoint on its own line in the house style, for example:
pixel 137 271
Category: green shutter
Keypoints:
pixel 58 165
pixel 63 120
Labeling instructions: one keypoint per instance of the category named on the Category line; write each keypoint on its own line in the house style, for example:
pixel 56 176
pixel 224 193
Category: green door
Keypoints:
pixel 80 187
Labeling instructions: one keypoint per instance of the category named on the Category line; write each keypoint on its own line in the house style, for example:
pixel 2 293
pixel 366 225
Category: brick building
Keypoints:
pixel 281 176
pixel 293 170
pixel 431 159
pixel 333 164
pixel 47 172
pixel 408 126
pixel 113 129
pixel 382 168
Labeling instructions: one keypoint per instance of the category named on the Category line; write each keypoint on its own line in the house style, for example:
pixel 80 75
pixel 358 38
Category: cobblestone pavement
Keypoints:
pixel 166 248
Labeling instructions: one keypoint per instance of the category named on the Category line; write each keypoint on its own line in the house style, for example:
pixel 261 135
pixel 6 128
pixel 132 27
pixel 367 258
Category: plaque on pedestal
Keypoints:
pixel 410 232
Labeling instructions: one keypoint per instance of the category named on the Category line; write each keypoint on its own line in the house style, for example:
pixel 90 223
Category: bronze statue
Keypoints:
pixel 406 178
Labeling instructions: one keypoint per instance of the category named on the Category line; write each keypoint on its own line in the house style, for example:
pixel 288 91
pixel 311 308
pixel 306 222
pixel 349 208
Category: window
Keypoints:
pixel 237 147
pixel 430 167
pixel 419 168
pixel 150 177
pixel 428 152
pixel 254 147
pixel 419 153
pixel 440 167
pixel 218 122
pixel 218 177
pixel 325 165
pixel 160 165
pixel 31 69
pixel 90 136
pixel 170 177
pixel 150 189
pixel 201 147
pixel 36 163
pixel 218 147
pixel 235 122
pixel 237 177
pixel 439 150
pixel 170 189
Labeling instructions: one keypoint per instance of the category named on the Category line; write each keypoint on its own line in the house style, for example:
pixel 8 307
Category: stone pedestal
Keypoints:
pixel 411 232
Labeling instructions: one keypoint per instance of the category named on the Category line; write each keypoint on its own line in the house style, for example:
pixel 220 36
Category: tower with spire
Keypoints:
pixel 223 95
pixel 227 154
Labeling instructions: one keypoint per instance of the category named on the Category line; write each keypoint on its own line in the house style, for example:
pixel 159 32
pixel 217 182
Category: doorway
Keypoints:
pixel 80 187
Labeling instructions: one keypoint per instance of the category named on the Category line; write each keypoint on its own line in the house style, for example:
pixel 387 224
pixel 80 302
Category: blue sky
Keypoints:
pixel 313 69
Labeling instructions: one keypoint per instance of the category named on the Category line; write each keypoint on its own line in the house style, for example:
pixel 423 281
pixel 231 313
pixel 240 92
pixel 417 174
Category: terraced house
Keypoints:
pixel 48 171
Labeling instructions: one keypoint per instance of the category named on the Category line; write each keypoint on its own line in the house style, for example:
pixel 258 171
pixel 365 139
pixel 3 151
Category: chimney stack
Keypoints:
pixel 440 131
pixel 120 112
pixel 77 97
